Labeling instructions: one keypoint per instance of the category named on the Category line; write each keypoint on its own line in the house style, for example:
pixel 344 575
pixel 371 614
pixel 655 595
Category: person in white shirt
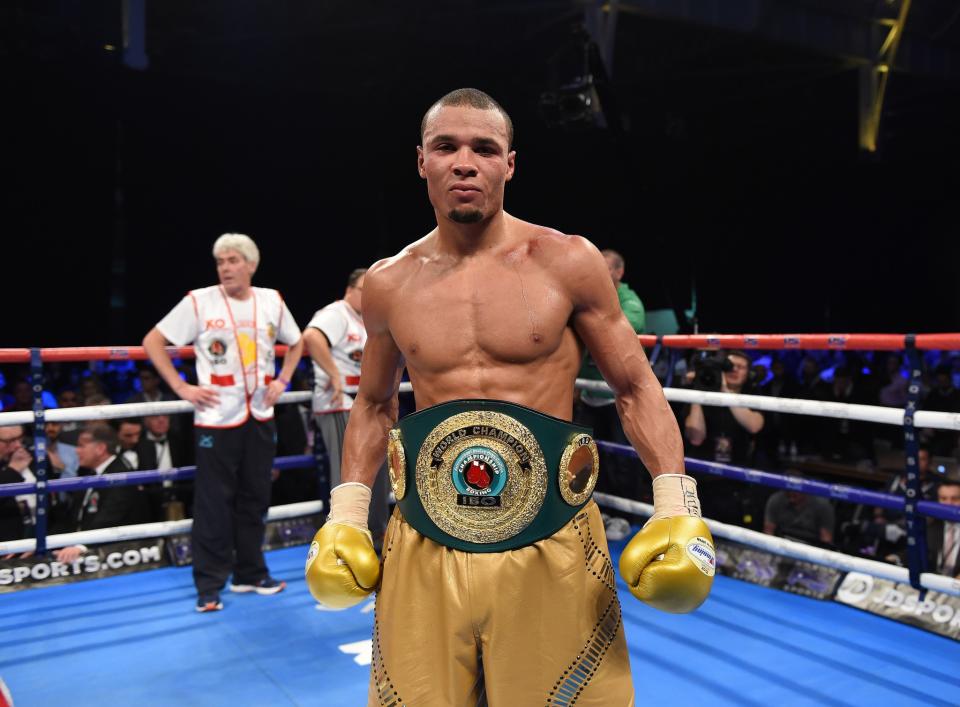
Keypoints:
pixel 163 447
pixel 335 338
pixel 234 328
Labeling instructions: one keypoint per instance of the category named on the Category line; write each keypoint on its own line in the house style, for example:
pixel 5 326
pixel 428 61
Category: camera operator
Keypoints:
pixel 724 434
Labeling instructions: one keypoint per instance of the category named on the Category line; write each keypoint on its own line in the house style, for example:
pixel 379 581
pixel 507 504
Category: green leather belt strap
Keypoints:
pixel 485 475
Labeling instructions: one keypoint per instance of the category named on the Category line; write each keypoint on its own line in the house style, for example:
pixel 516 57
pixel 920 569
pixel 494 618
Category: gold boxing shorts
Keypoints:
pixel 536 626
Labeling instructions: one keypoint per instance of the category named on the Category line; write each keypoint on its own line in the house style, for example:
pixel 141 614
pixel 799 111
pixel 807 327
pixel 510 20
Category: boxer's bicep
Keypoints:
pixel 647 418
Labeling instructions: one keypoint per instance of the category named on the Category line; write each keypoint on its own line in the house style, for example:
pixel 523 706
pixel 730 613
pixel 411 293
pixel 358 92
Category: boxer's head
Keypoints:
pixel 465 155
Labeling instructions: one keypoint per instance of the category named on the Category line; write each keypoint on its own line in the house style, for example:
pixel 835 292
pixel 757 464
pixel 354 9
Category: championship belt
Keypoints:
pixel 489 476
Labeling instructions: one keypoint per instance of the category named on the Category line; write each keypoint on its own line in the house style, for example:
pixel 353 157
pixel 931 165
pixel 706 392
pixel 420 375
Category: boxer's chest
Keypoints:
pixel 494 314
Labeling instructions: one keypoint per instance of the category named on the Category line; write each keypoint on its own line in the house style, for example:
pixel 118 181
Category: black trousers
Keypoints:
pixel 230 502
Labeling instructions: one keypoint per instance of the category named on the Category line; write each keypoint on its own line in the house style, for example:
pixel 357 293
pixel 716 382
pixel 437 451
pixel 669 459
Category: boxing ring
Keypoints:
pixel 135 639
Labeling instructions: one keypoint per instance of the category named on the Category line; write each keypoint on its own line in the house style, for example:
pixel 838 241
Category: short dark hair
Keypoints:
pixel 356 275
pixel 618 261
pixel 740 354
pixel 474 98
pixel 120 422
pixel 104 434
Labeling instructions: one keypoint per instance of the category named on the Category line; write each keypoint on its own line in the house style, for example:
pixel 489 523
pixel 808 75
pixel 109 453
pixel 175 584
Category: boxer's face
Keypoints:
pixel 466 161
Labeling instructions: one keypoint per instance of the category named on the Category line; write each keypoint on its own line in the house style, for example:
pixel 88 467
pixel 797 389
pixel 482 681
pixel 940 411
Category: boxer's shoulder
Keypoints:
pixel 570 259
pixel 553 247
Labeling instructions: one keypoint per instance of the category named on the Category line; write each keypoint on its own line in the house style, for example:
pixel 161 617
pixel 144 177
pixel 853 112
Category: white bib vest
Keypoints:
pixel 347 352
pixel 229 361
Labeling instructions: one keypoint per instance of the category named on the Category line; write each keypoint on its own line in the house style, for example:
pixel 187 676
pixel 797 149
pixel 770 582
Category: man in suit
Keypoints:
pixel 162 447
pixel 943 537
pixel 15 514
pixel 104 507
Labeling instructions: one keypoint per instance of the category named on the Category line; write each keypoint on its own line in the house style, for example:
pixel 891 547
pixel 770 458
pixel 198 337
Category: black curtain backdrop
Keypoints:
pixel 737 169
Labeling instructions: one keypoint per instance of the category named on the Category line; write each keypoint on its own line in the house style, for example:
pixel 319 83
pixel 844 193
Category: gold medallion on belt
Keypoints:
pixel 481 476
pixel 397 464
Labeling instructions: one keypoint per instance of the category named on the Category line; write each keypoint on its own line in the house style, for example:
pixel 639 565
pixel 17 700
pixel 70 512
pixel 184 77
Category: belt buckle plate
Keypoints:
pixel 481 476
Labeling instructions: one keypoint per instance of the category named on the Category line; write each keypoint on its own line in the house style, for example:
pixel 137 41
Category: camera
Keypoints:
pixel 709 368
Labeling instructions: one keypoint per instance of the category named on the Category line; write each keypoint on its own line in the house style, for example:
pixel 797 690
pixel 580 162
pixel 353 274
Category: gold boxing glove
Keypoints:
pixel 670 563
pixel 342 566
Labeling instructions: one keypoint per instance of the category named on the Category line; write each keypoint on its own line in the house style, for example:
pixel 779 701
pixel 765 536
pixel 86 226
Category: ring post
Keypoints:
pixel 40 443
pixel 916 524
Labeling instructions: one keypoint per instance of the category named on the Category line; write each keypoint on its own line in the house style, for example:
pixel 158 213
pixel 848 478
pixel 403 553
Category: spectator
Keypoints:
pixel 91 387
pixel 17 513
pixel 150 389
pixel 595 409
pixel 61 457
pixel 842 439
pixel 809 386
pixel 335 338
pixel 105 507
pixel 129 431
pixel 234 328
pixel 162 447
pixel 727 435
pixel 885 534
pixel 69 431
pixel 778 439
pixel 943 397
pixel 943 537
pixel 110 506
pixel 893 386
pixel 810 380
pixel 22 396
pixel 797 516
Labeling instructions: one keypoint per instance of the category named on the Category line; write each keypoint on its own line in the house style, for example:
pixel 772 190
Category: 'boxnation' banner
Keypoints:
pixel 769 570
pixel 279 533
pixel 939 613
pixel 102 561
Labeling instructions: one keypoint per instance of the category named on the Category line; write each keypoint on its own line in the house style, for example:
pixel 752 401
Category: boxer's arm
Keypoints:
pixel 342 566
pixel 670 563
pixel 375 408
pixel 647 419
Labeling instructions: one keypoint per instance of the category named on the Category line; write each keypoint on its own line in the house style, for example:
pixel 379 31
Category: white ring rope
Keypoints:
pixel 793 406
pixel 145 530
pixel 799 551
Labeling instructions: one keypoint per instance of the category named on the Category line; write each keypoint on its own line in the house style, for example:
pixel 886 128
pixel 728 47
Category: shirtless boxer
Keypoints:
pixel 496 585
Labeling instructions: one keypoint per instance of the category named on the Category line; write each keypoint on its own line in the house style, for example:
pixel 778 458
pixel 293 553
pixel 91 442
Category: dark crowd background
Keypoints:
pixel 730 163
